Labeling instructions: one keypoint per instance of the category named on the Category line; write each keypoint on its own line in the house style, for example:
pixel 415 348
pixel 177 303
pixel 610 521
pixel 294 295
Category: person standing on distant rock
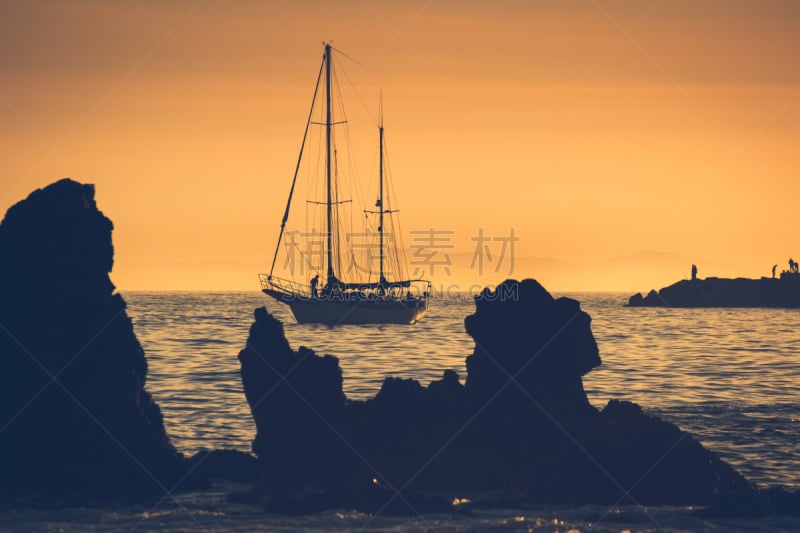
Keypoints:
pixel 694 272
pixel 773 270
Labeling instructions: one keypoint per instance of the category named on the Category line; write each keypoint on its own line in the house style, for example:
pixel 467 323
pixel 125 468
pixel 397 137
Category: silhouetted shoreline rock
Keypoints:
pixel 545 344
pixel 231 465
pixel 535 435
pixel 783 292
pixel 74 414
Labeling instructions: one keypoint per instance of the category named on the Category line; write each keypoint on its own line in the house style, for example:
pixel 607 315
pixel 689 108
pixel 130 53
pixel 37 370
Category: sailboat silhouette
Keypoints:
pixel 372 301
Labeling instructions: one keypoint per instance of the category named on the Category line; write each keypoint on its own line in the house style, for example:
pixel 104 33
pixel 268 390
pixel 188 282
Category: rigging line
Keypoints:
pixel 337 215
pixel 318 218
pixel 345 55
pixel 313 182
pixel 345 223
pixel 309 182
pixel 353 174
pixel 309 262
pixel 374 120
pixel 399 242
pixel 296 170
pixel 305 257
pixel 400 250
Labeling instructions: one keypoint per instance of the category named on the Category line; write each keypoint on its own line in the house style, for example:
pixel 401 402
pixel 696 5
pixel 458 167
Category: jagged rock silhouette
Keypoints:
pixel 521 425
pixel 74 412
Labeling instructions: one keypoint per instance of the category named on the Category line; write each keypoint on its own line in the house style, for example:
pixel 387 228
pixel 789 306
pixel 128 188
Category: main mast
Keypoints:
pixel 381 279
pixel 328 124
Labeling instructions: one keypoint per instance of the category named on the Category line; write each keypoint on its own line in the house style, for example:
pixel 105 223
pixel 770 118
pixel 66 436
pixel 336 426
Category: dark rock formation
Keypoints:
pixel 545 345
pixel 231 465
pixel 74 414
pixel 722 292
pixel 521 425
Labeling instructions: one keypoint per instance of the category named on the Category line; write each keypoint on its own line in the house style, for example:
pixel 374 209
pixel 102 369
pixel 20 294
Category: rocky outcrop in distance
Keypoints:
pixel 521 425
pixel 74 412
pixel 783 292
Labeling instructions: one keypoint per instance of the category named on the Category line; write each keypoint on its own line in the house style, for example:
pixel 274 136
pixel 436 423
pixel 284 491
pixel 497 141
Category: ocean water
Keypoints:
pixel 729 376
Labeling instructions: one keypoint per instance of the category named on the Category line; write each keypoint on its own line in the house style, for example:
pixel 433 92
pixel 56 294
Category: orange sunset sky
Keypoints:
pixel 621 140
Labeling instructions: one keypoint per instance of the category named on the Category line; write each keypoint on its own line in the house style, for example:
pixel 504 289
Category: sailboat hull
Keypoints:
pixel 333 312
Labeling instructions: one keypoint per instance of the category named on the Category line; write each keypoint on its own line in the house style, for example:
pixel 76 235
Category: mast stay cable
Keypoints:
pixel 296 171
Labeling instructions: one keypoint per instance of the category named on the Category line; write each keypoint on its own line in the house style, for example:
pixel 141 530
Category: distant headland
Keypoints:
pixel 779 292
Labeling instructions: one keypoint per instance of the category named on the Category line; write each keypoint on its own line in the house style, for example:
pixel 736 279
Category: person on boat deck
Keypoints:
pixel 694 272
pixel 314 283
pixel 773 270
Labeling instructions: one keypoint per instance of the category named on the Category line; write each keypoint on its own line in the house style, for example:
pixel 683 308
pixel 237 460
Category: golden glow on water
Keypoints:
pixel 730 377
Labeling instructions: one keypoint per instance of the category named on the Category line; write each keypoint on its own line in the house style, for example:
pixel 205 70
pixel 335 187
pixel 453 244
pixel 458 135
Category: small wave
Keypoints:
pixel 205 341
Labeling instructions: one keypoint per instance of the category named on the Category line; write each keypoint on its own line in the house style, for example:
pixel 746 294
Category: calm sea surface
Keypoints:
pixel 729 376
